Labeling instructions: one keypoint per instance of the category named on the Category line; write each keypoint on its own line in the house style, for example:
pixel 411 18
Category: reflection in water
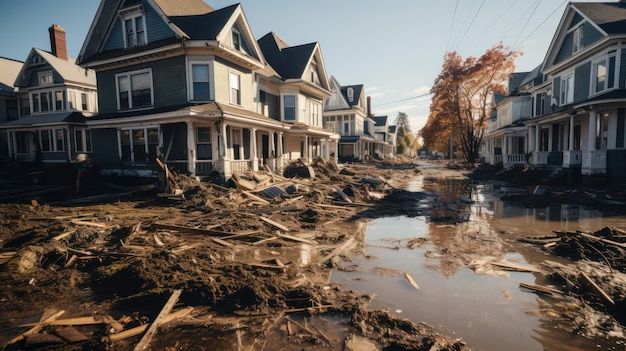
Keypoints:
pixel 489 312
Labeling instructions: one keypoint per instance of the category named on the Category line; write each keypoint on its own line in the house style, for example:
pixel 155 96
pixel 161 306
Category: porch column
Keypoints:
pixel 223 139
pixel 253 150
pixel 223 163
pixel 279 151
pixel 571 133
pixel 191 147
pixel 537 135
pixel 11 143
pixel 272 151
pixel 305 156
pixel 592 130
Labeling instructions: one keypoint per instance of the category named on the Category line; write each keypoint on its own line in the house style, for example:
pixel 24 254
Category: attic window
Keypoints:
pixel 133 26
pixel 236 39
pixel 314 74
pixel 350 94
pixel 577 39
pixel 45 78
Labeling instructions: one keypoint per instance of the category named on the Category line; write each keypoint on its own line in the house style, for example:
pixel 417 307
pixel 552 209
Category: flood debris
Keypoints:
pixel 229 259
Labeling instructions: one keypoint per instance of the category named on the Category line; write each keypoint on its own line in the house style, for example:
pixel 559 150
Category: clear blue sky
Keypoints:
pixel 394 47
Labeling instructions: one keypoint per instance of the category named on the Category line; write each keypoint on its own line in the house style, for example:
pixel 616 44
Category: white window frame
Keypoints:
pixel 594 74
pixel 284 107
pixel 45 78
pixel 130 99
pixel 577 38
pixel 350 93
pixel 204 142
pixel 236 33
pixel 51 96
pixel 132 14
pixel 53 145
pixel 146 144
pixel 50 134
pixel 314 113
pixel 190 80
pixel 87 145
pixel 233 78
pixel 566 96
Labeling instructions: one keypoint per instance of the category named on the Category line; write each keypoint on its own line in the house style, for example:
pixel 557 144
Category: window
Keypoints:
pixel 82 140
pixel 59 140
pixel 35 102
pixel 139 145
pixel 289 108
pixel 59 100
pixel 236 39
pixel 314 113
pixel 200 82
pixel 350 94
pixel 133 23
pixel 539 104
pixel 12 112
pixel 45 140
pixel 314 75
pixel 83 102
pixel 578 39
pixel 45 99
pixel 204 146
pixel 567 90
pixel 134 90
pixel 346 128
pixel 235 91
pixel 45 78
pixel 603 74
pixel 25 108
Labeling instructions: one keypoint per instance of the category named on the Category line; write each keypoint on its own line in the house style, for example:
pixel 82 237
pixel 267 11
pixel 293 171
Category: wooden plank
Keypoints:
pixel 192 230
pixel 515 267
pixel 542 289
pixel 254 197
pixel 147 337
pixel 64 235
pixel 37 327
pixel 275 224
pixel 343 195
pixel 411 281
pixel 295 238
pixel 339 250
pixel 222 242
pixel 89 223
pixel 129 333
pixel 607 241
pixel 169 175
pixel 596 288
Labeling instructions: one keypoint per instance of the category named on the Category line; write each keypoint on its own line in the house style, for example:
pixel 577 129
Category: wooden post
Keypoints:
pixel 145 340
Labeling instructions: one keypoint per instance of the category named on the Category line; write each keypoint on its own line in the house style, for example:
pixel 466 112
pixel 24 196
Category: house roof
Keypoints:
pixel 205 26
pixel 534 74
pixel 380 121
pixel 67 69
pixel 288 61
pixel 183 7
pixel 10 69
pixel 515 81
pixel 357 93
pixel 610 16
pixel 46 119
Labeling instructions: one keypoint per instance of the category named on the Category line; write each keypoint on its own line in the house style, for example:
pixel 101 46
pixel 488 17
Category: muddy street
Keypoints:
pixel 365 256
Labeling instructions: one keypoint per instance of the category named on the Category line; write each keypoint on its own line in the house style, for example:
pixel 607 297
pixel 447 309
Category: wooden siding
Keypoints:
pixel 556 91
pixel 105 149
pixel 223 69
pixel 168 79
pixel 156 28
pixel 581 82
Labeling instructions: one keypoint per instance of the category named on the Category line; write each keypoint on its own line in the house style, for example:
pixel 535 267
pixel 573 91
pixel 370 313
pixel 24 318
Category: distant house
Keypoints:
pixel 9 101
pixel 346 113
pixel 386 145
pixel 54 96
pixel 506 137
pixel 189 84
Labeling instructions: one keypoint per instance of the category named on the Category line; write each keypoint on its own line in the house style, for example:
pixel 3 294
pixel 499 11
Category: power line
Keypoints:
pixel 541 24
pixel 470 25
pixel 452 26
pixel 490 26
pixel 515 23
pixel 464 21
pixel 410 98
pixel 525 24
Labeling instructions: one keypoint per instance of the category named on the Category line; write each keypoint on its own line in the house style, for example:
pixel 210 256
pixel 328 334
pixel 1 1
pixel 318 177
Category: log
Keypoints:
pixel 607 241
pixel 515 267
pixel 275 224
pixel 295 238
pixel 147 337
pixel 542 289
pixel 596 288
pixel 254 197
pixel 64 235
pixel 411 281
pixel 89 223
pixel 222 242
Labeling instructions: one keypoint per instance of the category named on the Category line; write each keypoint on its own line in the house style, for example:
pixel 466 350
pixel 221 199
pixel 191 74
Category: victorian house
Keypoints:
pixel 189 84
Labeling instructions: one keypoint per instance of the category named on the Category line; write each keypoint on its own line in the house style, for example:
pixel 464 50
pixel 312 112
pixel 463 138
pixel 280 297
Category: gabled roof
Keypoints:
pixel 380 121
pixel 10 69
pixel 183 7
pixel 534 74
pixel 288 61
pixel 515 81
pixel 358 89
pixel 204 26
pixel 610 16
pixel 67 69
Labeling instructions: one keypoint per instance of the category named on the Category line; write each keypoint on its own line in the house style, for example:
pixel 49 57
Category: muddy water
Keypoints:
pixel 484 307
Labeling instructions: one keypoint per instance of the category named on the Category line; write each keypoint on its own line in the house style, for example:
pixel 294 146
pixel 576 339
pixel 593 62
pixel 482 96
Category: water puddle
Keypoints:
pixel 486 308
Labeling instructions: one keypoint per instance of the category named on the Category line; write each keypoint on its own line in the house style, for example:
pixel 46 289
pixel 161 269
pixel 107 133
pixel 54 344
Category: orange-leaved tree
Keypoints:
pixel 461 102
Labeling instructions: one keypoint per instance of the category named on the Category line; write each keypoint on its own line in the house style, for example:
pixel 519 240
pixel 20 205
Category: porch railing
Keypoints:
pixel 516 159
pixel 240 166
pixel 204 167
pixel 497 159
pixel 540 158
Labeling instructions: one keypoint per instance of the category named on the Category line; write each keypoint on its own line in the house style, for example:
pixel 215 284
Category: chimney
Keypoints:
pixel 369 106
pixel 57 42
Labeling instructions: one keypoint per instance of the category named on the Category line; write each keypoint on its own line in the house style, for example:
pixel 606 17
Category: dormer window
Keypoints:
pixel 315 79
pixel 578 39
pixel 236 39
pixel 134 27
pixel 45 78
pixel 350 94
